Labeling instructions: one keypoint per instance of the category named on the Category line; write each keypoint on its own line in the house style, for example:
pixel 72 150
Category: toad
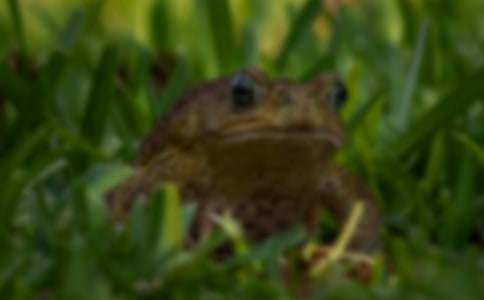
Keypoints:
pixel 259 149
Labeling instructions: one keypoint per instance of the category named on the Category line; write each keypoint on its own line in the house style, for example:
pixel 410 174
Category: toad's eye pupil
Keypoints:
pixel 339 95
pixel 243 92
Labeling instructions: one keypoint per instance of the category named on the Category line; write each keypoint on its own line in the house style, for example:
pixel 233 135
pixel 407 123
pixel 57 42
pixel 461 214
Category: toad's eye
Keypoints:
pixel 338 95
pixel 243 92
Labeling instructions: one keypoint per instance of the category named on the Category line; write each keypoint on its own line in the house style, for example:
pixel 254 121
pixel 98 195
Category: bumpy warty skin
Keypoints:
pixel 256 148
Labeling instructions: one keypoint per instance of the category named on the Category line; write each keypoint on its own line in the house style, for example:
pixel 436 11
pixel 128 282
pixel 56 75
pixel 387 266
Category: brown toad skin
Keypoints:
pixel 269 164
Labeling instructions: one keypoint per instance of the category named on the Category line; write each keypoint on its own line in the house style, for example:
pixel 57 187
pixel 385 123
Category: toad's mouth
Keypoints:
pixel 293 135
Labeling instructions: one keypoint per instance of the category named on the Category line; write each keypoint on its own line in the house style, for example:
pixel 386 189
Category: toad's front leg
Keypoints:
pixel 171 165
pixel 340 190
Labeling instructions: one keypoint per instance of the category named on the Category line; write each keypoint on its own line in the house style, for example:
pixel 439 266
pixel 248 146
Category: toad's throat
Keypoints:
pixel 268 158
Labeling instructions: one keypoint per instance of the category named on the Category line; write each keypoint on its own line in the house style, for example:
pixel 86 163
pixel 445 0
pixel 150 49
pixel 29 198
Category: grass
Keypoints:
pixel 75 103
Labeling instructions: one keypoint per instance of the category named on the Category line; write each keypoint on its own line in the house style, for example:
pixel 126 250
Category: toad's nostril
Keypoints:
pixel 302 119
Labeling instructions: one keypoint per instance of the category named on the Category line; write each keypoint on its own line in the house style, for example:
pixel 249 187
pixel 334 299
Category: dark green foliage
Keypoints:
pixel 98 102
pixel 451 106
pixel 299 27
pixel 222 32
pixel 75 105
pixel 16 15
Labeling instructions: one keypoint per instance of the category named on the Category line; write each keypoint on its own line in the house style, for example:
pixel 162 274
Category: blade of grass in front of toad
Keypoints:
pixel 440 116
pixel 171 227
pixel 300 25
pixel 270 251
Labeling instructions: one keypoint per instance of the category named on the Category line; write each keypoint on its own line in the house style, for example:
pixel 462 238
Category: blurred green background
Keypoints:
pixel 81 83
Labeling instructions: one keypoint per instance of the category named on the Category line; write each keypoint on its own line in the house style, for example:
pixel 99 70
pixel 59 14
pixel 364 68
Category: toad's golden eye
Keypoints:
pixel 243 92
pixel 338 95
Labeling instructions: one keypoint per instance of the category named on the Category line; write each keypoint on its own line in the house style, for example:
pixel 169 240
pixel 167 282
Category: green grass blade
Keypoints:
pixel 358 116
pixel 204 55
pixel 171 227
pixel 160 19
pixel 78 142
pixel 16 14
pixel 11 263
pixel 71 31
pixel 250 50
pixel 221 26
pixel 441 115
pixel 79 279
pixel 471 145
pixel 11 162
pixel 300 25
pixel 437 156
pixel 323 63
pixel 250 45
pixel 97 109
pixel 173 89
pixel 403 104
pixel 13 86
pixel 270 250
pixel 459 217
pixel 29 145
pixel 327 60
pixel 52 75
